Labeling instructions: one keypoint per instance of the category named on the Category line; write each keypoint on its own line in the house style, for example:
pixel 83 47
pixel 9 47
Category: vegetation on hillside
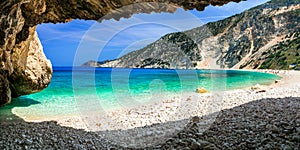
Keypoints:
pixel 240 41
pixel 284 54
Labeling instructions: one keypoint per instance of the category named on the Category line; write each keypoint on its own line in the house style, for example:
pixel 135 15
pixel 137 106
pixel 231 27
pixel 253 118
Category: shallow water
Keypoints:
pixel 108 88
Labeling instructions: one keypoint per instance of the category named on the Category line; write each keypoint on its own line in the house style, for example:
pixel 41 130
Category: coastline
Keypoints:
pixel 181 107
pixel 168 123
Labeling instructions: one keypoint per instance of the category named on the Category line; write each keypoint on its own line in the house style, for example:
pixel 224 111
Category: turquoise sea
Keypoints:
pixel 111 88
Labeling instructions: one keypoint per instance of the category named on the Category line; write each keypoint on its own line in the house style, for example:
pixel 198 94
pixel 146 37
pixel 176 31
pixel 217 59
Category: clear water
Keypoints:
pixel 90 89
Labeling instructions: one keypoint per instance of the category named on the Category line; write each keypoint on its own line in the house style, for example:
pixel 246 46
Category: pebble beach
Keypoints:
pixel 263 117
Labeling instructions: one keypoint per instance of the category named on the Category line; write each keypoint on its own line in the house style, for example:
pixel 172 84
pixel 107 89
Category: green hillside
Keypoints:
pixel 284 54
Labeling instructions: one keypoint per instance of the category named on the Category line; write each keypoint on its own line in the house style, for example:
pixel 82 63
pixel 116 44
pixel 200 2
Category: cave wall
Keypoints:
pixel 24 68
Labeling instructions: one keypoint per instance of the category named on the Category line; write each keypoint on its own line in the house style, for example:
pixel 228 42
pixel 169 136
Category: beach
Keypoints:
pixel 160 124
pixel 186 105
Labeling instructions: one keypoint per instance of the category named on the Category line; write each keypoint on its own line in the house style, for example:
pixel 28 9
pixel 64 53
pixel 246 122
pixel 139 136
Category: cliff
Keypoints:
pixel 242 41
pixel 174 50
pixel 23 67
pixel 93 63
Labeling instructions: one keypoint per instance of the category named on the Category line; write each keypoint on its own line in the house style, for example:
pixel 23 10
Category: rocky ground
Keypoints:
pixel 263 124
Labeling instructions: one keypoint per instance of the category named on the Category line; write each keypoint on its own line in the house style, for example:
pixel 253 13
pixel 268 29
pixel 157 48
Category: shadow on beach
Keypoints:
pixel 6 114
pixel 263 124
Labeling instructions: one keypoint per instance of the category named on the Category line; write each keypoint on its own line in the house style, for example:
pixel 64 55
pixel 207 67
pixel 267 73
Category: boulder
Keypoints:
pixel 201 90
pixel 258 88
pixel 32 70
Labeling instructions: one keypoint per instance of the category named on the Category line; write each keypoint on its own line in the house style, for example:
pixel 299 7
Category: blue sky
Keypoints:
pixel 73 43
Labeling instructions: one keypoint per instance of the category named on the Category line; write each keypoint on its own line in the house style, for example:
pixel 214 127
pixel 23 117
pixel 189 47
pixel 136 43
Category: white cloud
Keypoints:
pixel 50 32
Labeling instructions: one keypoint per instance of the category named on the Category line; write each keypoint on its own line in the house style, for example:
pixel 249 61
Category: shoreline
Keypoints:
pixel 162 123
pixel 176 108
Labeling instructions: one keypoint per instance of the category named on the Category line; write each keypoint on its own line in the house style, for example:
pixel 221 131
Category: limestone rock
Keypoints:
pixel 32 70
pixel 5 90
pixel 258 88
pixel 201 90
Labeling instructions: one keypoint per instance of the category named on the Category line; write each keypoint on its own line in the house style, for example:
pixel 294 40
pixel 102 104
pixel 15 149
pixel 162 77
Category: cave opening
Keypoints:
pixel 66 48
pixel 111 39
pixel 76 42
pixel 104 70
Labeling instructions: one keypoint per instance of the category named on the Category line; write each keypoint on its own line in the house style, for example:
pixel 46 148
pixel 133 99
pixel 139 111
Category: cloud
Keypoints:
pixel 49 34
pixel 139 27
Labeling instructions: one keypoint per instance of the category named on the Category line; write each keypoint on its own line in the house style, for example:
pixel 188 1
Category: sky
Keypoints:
pixel 78 41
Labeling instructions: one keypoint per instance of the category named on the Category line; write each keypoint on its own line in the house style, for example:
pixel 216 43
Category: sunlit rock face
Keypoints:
pixel 32 71
pixel 264 37
pixel 23 66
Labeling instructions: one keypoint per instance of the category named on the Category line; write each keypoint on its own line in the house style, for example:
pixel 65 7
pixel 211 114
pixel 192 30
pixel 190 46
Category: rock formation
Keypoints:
pixel 32 71
pixel 23 67
pixel 174 50
pixel 244 40
pixel 93 63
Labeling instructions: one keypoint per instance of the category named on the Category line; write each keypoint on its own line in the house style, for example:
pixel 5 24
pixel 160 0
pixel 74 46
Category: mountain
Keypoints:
pixel 252 39
pixel 93 63
pixel 175 50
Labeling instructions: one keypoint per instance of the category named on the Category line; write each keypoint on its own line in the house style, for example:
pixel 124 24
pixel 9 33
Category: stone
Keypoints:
pixel 149 133
pixel 286 147
pixel 195 145
pixel 210 147
pixel 256 87
pixel 296 138
pixel 28 142
pixel 196 119
pixel 204 143
pixel 261 91
pixel 201 90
